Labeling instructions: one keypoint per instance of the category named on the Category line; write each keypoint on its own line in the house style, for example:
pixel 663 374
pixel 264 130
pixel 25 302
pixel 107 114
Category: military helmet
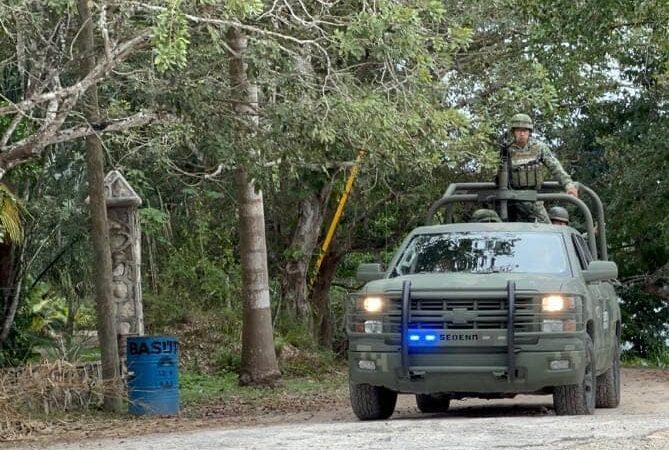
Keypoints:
pixel 522 121
pixel 558 214
pixel 485 215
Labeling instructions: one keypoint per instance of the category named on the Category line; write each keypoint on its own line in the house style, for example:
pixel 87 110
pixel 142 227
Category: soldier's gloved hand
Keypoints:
pixel 573 191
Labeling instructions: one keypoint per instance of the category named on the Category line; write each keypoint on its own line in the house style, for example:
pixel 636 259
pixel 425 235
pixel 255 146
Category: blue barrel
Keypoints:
pixel 153 375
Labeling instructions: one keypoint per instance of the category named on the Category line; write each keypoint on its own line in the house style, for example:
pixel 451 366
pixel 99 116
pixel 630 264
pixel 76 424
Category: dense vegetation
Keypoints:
pixel 424 87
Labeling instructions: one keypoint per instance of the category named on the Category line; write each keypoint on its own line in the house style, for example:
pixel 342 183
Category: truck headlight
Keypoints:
pixel 555 303
pixel 372 304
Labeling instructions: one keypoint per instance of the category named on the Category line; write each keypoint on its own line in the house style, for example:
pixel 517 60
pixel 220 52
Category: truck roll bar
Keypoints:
pixel 550 190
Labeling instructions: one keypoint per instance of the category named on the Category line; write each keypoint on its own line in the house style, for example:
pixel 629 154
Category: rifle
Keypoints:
pixel 504 173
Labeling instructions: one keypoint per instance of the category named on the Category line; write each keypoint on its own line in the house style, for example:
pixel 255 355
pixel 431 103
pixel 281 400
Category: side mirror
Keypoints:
pixel 600 271
pixel 369 272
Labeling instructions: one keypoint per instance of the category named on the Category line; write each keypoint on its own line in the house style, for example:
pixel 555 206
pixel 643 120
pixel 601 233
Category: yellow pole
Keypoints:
pixel 338 213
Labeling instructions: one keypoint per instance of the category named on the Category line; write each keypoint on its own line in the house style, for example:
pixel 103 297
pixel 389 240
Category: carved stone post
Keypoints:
pixel 125 241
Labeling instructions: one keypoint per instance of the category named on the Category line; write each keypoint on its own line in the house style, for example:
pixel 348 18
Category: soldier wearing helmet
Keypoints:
pixel 528 159
pixel 558 215
pixel 485 215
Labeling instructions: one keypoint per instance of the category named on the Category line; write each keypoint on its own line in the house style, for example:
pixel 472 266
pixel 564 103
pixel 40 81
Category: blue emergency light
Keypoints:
pixel 422 337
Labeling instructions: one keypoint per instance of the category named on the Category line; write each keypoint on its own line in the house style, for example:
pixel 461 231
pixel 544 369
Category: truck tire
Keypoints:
pixel 608 383
pixel 372 402
pixel 428 403
pixel 579 399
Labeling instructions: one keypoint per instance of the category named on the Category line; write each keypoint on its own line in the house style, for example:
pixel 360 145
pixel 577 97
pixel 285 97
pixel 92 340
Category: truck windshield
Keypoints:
pixel 484 252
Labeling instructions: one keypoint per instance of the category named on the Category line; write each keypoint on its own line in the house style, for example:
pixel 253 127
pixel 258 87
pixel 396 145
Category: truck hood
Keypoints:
pixel 474 282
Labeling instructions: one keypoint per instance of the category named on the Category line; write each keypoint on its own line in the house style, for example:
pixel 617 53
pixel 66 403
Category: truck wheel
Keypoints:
pixel 578 399
pixel 428 403
pixel 608 383
pixel 372 402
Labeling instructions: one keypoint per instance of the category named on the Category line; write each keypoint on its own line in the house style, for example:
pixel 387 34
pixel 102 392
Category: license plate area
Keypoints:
pixel 444 338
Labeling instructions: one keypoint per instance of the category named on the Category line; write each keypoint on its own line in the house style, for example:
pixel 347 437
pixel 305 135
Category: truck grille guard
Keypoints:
pixel 406 313
pixel 406 319
pixel 510 332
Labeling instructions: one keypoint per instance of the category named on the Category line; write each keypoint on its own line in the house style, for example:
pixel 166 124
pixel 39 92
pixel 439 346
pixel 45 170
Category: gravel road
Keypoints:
pixel 642 421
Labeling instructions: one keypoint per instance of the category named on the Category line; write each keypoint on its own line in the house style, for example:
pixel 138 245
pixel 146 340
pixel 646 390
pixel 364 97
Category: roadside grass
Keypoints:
pixel 660 361
pixel 199 388
pixel 210 360
pixel 210 353
pixel 204 397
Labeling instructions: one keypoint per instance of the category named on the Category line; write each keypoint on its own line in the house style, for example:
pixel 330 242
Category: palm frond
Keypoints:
pixel 10 216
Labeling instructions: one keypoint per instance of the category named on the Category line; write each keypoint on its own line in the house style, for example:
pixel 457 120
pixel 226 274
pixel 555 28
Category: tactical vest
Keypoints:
pixel 527 169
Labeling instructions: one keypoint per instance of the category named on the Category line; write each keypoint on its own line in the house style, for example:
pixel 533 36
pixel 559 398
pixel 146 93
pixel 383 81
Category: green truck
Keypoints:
pixel 489 310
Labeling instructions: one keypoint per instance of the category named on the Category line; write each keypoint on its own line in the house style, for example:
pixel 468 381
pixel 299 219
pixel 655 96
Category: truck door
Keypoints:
pixel 600 309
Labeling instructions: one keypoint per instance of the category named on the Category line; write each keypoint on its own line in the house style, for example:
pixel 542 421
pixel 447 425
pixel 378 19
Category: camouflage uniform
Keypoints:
pixel 528 160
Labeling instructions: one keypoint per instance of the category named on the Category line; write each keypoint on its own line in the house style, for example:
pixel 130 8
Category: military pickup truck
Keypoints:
pixel 488 310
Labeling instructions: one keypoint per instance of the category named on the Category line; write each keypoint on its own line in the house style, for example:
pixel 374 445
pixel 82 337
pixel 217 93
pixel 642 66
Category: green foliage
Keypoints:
pixel 225 388
pixel 206 280
pixel 20 344
pixel 23 129
pixel 644 323
pixel 660 361
pixel 48 315
pixel 171 38
pixel 615 57
pixel 636 152
pixel 85 317
pixel 61 6
pixel 315 364
pixel 293 332
pixel 228 361
pixel 423 87
pixel 161 310
pixel 153 221
pixel 242 9
pixel 195 386
pixel 228 356
pixel 622 152
pixel 194 253
pixel 349 265
pixel 41 326
pixel 10 216
pixel 338 298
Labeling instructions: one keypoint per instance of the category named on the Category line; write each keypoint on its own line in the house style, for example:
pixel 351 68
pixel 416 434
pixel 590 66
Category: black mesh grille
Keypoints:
pixel 465 314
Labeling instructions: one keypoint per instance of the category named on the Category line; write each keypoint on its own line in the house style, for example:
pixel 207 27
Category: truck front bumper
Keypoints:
pixel 471 373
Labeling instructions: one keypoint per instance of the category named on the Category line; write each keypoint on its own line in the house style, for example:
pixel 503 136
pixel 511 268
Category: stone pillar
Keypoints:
pixel 125 242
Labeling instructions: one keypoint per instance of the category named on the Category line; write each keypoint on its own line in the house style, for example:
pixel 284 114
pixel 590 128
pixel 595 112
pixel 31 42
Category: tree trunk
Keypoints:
pixel 8 288
pixel 320 299
pixel 300 252
pixel 259 364
pixel 102 269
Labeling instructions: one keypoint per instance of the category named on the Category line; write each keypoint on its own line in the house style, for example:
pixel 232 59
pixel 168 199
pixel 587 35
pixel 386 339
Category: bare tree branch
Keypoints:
pixel 10 129
pixel 330 165
pixel 118 54
pixel 61 101
pixel 31 147
pixel 105 32
pixel 134 121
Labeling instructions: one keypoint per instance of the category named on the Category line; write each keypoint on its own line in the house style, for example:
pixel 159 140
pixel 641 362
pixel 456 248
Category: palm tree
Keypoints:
pixel 10 217
pixel 11 234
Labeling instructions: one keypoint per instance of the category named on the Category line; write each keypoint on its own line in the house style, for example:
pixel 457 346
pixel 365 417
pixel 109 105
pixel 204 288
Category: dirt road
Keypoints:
pixel 642 421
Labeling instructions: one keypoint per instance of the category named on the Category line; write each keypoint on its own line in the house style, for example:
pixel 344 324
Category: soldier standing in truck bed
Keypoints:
pixel 528 159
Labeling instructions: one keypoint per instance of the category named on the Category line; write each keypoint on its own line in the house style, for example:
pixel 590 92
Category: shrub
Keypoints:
pixel 644 323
